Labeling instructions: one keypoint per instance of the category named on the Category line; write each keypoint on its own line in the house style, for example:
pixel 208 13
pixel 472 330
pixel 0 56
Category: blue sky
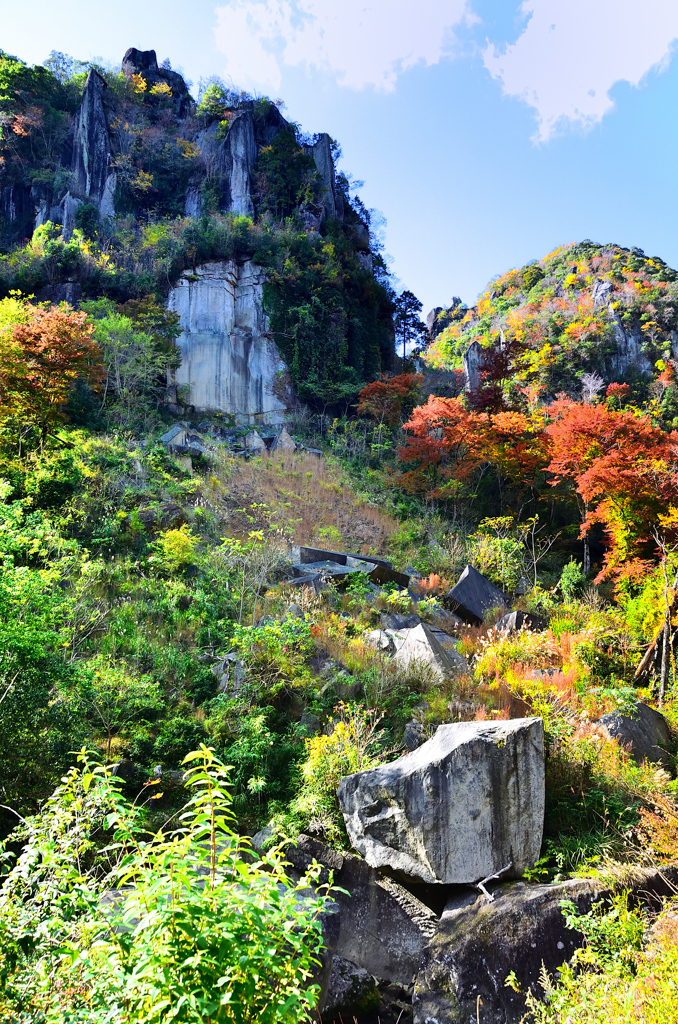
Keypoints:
pixel 487 131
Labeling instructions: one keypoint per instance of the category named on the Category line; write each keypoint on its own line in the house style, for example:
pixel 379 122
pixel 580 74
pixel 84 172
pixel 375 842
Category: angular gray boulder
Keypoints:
pixel 646 735
pixel 466 804
pixel 475 595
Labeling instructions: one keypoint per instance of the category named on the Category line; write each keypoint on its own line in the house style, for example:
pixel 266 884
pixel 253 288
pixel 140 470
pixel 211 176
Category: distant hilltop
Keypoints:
pixel 585 309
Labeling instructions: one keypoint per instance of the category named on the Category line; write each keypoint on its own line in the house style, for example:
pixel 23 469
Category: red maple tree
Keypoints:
pixel 624 469
pixel 383 399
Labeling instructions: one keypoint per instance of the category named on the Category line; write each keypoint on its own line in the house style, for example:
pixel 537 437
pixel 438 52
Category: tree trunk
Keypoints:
pixel 663 679
pixel 587 557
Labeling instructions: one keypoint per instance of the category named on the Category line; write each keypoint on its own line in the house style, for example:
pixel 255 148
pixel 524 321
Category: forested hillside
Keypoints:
pixel 227 622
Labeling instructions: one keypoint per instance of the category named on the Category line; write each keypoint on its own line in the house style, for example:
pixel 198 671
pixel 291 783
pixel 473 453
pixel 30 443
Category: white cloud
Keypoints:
pixel 573 51
pixel 362 42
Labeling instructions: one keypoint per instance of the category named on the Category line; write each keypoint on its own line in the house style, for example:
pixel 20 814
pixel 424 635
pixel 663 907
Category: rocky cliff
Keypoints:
pixel 585 308
pixel 229 361
pixel 156 183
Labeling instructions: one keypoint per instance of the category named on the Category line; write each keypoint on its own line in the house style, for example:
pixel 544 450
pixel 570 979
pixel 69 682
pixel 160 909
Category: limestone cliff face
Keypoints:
pixel 91 154
pixel 229 360
pixel 231 160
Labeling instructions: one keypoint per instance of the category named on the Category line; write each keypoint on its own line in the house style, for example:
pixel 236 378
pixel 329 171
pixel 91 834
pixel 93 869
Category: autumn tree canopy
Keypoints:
pixel 43 357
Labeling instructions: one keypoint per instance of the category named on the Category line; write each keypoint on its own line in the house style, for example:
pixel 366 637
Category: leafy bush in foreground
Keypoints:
pixel 182 925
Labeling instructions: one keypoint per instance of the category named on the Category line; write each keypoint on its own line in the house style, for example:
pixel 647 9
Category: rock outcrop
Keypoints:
pixel 229 360
pixel 90 149
pixel 330 199
pixel 145 64
pixel 465 805
pixel 230 162
pixel 524 928
pixel 646 735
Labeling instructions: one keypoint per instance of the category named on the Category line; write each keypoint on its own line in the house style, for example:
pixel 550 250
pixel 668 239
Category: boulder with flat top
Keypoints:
pixel 465 805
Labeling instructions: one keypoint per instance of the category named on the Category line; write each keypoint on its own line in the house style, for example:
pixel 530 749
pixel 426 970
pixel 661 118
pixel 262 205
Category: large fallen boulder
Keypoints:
pixel 646 735
pixel 475 595
pixel 465 805
pixel 382 927
pixel 428 645
pixel 514 621
pixel 477 947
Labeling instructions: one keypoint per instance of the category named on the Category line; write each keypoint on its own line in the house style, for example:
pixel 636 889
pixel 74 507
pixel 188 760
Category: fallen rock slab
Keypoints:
pixel 477 947
pixel 427 645
pixel 646 735
pixel 466 804
pixel 514 621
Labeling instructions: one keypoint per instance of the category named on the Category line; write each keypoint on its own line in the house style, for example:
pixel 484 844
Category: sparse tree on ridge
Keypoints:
pixel 406 320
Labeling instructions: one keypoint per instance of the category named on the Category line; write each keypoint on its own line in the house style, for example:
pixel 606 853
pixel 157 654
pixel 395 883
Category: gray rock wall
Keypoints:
pixel 91 153
pixel 229 360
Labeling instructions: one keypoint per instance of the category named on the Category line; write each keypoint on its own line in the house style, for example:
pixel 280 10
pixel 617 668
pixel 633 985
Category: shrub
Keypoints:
pixel 183 923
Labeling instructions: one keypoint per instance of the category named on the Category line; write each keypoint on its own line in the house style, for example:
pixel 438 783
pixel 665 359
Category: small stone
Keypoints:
pixel 293 611
pixel 414 735
pixel 379 640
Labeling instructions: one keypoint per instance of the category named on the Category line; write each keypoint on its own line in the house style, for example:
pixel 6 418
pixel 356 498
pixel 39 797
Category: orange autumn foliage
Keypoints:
pixel 383 399
pixel 50 353
pixel 445 445
pixel 624 469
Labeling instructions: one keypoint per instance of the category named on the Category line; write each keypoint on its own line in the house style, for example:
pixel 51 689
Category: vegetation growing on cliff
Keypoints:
pixel 330 303
pixel 545 325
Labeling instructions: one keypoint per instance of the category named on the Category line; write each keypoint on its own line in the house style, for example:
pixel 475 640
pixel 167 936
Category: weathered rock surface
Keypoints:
pixel 330 199
pixel 254 442
pixel 477 947
pixel 382 927
pixel 475 595
pixel 90 151
pixel 229 361
pixel 351 989
pixel 514 621
pixel 466 804
pixel 414 735
pixel 647 736
pixel 283 442
pixel 427 645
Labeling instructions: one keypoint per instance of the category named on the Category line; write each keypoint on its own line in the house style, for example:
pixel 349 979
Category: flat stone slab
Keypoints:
pixel 464 805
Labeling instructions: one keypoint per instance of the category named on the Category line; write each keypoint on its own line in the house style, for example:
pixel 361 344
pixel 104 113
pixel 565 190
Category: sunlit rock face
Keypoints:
pixel 230 363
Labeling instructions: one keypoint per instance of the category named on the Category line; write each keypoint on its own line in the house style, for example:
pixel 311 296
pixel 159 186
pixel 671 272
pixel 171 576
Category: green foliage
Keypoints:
pixel 352 746
pixel 285 175
pixel 175 548
pixel 181 919
pixel 572 580
pixel 114 698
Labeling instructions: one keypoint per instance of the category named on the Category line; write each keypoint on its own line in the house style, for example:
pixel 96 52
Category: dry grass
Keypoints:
pixel 302 496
